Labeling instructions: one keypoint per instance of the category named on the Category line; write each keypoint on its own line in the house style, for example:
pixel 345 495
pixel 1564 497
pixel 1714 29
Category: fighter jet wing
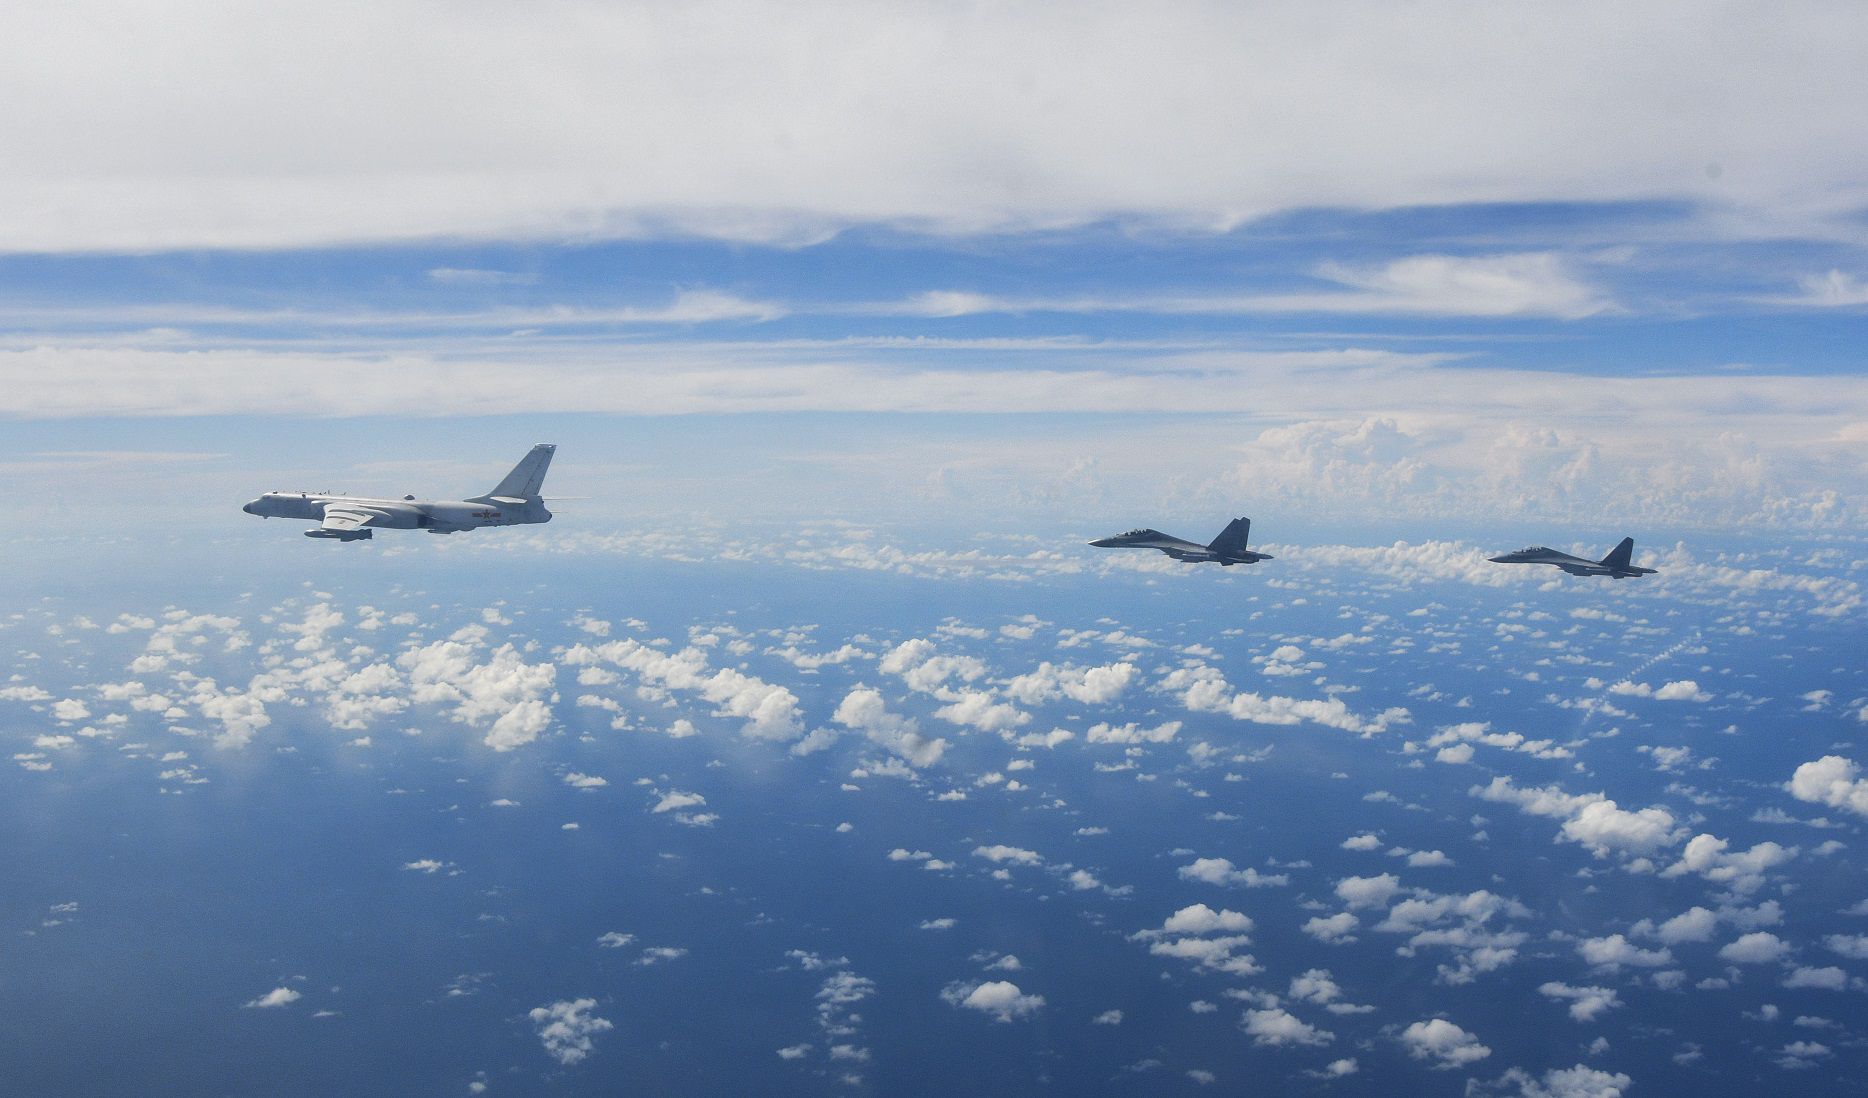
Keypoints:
pixel 343 520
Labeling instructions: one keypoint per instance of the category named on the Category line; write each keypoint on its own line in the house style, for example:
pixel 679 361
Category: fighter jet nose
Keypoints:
pixel 1498 560
pixel 1104 543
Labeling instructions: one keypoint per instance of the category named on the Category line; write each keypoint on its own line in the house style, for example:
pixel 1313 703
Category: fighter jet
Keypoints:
pixel 1227 549
pixel 515 501
pixel 1615 564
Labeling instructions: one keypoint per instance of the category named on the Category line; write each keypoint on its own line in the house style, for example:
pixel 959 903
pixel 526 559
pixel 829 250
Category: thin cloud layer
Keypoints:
pixel 376 122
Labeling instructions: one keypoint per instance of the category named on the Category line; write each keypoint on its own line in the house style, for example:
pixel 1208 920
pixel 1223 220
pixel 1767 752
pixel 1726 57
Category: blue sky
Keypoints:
pixel 1386 264
pixel 809 749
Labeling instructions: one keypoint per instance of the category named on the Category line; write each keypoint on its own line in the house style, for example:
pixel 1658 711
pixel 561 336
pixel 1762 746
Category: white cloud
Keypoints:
pixel 1275 1026
pixel 1097 685
pixel 1375 891
pixel 1203 689
pixel 1826 978
pixel 675 799
pixel 1760 947
pixel 1743 871
pixel 1831 290
pixel 1616 950
pixel 1586 1003
pixel 585 781
pixel 999 852
pixel 566 1028
pixel 1852 946
pixel 1337 929
pixel 864 709
pixel 277 997
pixel 1201 919
pixel 1220 871
pixel 505 695
pixel 1521 284
pixel 770 711
pixel 1680 690
pixel 903 116
pixel 1590 819
pixel 1581 1081
pixel 1831 780
pixel 1131 733
pixel 1441 1040
pixel 1695 924
pixel 1000 998
pixel 1209 953
pixel 1315 986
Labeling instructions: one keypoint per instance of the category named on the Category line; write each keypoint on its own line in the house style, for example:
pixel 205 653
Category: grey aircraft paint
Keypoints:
pixel 515 501
pixel 1616 564
pixel 1227 549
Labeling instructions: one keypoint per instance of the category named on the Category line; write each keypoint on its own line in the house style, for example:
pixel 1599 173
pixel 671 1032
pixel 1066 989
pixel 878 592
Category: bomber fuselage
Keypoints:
pixel 439 515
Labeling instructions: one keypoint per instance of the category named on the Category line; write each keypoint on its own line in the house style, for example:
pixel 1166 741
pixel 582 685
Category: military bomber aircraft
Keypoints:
pixel 514 502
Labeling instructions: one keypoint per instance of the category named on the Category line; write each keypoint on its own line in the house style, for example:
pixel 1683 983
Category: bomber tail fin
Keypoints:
pixel 1619 556
pixel 522 485
pixel 1232 539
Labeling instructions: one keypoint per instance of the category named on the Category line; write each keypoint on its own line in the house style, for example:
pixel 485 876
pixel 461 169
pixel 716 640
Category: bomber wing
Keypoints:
pixel 344 523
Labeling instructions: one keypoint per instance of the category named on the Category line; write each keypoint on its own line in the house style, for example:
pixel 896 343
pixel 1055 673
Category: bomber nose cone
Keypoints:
pixel 248 508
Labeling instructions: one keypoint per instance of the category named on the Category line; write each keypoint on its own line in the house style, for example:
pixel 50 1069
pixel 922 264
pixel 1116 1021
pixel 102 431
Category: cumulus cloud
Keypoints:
pixel 1131 733
pixel 676 799
pixel 1000 998
pixel 1275 1026
pixel 505 695
pixel 1220 871
pixel 999 852
pixel 1590 819
pixel 1831 780
pixel 1373 891
pixel 1695 924
pixel 1743 871
pixel 1203 689
pixel 1681 690
pixel 1760 947
pixel 1440 1040
pixel 1586 1003
pixel 1201 919
pixel 1616 950
pixel 567 1027
pixel 770 711
pixel 1455 742
pixel 1097 685
pixel 864 709
pixel 1826 978
pixel 1581 1081
pixel 277 997
pixel 1337 929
